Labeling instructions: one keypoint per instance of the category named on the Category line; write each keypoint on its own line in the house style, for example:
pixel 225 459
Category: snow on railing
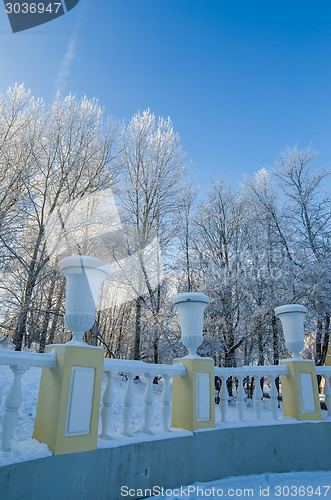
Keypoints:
pixel 19 362
pixel 240 374
pixel 132 369
pixel 325 372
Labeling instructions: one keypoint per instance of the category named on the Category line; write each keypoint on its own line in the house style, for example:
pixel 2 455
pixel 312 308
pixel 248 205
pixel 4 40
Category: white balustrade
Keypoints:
pixel 18 362
pixel 325 372
pixel 239 375
pixel 132 369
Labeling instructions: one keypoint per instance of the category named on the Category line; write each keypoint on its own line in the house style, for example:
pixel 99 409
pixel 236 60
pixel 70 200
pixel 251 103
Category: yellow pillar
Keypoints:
pixel 300 391
pixel 69 399
pixel 193 404
pixel 328 357
pixel 327 363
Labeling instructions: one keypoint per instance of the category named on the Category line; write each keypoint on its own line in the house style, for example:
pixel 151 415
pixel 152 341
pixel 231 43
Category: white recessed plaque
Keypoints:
pixel 80 401
pixel 203 397
pixel 306 392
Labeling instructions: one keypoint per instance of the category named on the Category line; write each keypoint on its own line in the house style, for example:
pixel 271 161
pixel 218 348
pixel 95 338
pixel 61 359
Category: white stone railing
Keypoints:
pixel 132 369
pixel 325 372
pixel 240 374
pixel 19 362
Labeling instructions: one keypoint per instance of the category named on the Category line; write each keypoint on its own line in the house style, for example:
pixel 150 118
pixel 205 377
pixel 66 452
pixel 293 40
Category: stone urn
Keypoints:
pixel 191 306
pixel 84 276
pixel 292 317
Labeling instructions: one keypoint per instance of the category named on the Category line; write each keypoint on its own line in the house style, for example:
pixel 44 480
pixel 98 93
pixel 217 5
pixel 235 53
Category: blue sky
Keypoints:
pixel 240 80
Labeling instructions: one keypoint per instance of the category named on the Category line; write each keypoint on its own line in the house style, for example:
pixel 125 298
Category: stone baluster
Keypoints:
pixel 327 392
pixel 127 405
pixel 148 403
pixel 12 403
pixel 258 398
pixel 166 403
pixel 107 403
pixel 224 399
pixel 240 398
pixel 273 396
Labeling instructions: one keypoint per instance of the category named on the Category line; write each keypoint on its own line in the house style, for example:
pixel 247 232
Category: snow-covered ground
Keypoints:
pixel 25 448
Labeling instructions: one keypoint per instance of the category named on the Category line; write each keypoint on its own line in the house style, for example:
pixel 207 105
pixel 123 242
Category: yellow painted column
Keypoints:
pixel 193 404
pixel 328 362
pixel 300 393
pixel 69 400
pixel 328 357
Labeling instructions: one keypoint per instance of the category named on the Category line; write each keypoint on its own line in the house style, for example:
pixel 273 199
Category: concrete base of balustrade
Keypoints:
pixel 204 455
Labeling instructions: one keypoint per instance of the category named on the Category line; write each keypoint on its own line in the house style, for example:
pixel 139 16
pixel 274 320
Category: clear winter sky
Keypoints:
pixel 241 79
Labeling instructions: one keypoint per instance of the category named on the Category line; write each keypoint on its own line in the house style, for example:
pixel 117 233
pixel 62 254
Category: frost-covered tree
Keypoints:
pixel 18 112
pixel 289 228
pixel 308 213
pixel 267 262
pixel 249 249
pixel 152 175
pixel 66 152
pixel 184 247
pixel 261 246
pixel 219 245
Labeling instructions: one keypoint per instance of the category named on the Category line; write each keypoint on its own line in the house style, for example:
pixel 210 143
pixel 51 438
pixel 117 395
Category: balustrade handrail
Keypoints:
pixel 259 370
pixel 25 360
pixel 323 370
pixel 128 366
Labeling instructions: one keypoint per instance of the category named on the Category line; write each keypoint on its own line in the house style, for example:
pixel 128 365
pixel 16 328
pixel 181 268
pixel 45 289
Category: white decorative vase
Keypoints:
pixel 84 276
pixel 191 306
pixel 292 317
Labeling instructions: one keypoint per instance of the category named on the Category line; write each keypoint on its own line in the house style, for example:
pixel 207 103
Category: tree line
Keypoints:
pixel 75 182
